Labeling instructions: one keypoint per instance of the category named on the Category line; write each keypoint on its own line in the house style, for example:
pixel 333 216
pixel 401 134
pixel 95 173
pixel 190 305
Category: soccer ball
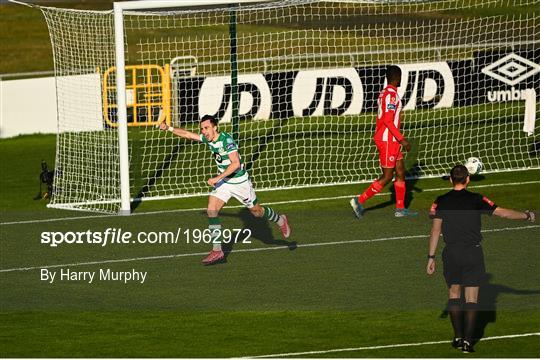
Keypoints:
pixel 474 165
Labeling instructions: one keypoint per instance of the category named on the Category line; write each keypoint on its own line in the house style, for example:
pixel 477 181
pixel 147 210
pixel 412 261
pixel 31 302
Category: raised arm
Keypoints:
pixel 515 215
pixel 180 132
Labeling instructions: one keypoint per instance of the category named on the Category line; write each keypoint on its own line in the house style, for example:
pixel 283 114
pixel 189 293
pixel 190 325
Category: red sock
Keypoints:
pixel 373 189
pixel 399 186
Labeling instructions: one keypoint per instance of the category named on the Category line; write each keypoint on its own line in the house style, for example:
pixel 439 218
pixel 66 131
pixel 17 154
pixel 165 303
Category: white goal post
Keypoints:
pixel 295 82
pixel 119 8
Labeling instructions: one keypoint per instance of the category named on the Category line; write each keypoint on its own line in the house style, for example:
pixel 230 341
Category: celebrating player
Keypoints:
pixel 389 141
pixel 457 215
pixel 232 181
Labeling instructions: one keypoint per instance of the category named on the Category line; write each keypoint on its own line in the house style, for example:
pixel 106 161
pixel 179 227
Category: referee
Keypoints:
pixel 457 215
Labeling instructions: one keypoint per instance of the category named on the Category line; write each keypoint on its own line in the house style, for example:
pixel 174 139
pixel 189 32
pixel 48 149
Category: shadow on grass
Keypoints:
pixel 260 230
pixel 487 302
pixel 165 164
pixel 264 141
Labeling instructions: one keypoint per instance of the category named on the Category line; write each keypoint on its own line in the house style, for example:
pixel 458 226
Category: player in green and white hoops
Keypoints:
pixel 232 181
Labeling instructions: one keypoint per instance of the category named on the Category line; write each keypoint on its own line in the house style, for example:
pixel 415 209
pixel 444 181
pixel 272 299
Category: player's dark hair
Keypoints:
pixel 393 73
pixel 459 174
pixel 212 119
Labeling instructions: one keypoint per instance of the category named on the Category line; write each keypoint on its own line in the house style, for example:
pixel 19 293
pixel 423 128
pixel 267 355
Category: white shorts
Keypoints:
pixel 243 192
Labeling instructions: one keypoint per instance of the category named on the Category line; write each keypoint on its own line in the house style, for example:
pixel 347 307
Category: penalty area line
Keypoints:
pixel 173 256
pixel 284 202
pixel 390 346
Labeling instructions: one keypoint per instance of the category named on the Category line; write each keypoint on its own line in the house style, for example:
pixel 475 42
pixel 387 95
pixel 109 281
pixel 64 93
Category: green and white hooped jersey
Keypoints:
pixel 221 148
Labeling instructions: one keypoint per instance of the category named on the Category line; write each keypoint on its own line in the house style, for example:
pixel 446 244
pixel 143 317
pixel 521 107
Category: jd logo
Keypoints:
pixel 426 86
pixel 250 90
pixel 215 97
pixel 327 92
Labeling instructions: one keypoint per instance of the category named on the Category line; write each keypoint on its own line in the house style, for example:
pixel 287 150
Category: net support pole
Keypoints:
pixel 125 208
pixel 530 111
pixel 234 74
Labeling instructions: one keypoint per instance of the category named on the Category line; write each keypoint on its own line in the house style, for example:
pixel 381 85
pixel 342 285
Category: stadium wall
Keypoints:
pixel 29 106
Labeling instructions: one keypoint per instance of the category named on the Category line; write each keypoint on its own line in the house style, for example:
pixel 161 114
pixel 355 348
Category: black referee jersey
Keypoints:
pixel 461 212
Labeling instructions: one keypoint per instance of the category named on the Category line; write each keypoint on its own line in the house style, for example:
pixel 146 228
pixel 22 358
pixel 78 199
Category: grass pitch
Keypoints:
pixel 338 284
pixel 346 284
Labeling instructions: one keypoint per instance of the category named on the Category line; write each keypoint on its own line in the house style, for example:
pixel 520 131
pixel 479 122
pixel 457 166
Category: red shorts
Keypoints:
pixel 389 153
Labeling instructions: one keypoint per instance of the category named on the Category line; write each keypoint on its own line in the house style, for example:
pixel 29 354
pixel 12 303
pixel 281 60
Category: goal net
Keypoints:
pixel 296 83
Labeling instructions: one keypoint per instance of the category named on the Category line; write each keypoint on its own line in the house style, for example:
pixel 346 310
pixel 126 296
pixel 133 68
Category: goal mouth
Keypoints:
pixel 295 82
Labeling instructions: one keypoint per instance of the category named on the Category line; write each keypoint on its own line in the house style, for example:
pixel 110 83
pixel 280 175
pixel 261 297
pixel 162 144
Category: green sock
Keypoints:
pixel 270 214
pixel 214 225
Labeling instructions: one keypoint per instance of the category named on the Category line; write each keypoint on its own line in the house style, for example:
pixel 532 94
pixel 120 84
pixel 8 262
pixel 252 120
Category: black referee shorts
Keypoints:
pixel 463 264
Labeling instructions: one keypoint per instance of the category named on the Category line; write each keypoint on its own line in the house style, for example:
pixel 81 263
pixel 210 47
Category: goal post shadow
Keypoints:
pixel 158 173
pixel 264 141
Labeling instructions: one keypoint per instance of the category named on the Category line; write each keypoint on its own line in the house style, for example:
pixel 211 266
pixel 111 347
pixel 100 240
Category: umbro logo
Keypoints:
pixel 511 69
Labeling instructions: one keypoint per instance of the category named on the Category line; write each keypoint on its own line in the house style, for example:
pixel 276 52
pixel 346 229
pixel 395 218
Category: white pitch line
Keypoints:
pixel 241 206
pixel 160 257
pixel 391 346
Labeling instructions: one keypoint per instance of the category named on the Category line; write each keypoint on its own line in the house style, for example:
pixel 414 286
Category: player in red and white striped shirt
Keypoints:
pixel 389 140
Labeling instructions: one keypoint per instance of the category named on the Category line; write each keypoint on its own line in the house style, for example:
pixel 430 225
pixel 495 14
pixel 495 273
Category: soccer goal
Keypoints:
pixel 295 82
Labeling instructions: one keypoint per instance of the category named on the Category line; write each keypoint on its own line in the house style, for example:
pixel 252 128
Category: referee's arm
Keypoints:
pixel 514 215
pixel 433 241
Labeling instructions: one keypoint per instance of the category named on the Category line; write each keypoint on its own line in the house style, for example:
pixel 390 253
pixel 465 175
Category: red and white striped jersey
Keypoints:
pixel 388 116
